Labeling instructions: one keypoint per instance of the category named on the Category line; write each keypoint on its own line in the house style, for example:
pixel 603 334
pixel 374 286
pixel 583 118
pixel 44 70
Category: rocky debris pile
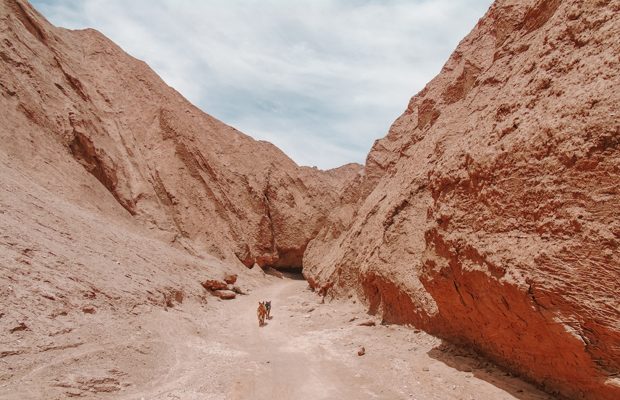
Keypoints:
pixel 224 289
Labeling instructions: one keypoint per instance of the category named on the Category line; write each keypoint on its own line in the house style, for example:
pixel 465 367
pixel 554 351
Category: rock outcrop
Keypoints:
pixel 496 222
pixel 489 215
pixel 194 181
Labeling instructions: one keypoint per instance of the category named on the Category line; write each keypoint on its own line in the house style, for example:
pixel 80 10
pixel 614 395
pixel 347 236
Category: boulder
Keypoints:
pixel 214 284
pixel 224 294
pixel 230 279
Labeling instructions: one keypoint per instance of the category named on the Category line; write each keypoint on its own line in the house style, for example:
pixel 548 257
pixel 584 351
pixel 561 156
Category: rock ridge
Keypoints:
pixel 495 222
pixel 183 174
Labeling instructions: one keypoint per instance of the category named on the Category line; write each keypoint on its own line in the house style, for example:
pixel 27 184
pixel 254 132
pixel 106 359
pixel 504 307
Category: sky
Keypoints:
pixel 320 79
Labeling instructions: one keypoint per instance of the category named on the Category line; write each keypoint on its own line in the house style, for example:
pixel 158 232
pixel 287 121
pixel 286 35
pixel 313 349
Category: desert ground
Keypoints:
pixel 308 349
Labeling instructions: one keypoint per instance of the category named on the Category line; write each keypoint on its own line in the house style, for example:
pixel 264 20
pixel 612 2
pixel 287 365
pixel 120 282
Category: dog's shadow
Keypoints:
pixel 264 324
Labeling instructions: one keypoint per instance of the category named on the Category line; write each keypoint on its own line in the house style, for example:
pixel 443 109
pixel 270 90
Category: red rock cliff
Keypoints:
pixel 74 96
pixel 488 215
pixel 496 224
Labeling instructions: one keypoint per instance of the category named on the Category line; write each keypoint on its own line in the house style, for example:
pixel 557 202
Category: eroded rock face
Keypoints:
pixel 194 181
pixel 488 215
pixel 496 222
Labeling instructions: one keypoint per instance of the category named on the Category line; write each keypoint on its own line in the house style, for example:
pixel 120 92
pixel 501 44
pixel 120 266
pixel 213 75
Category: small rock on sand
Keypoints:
pixel 89 309
pixel 225 294
pixel 214 284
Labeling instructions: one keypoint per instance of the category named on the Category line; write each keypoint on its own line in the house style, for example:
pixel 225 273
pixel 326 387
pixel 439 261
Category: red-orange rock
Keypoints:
pixel 488 215
pixel 231 279
pixel 495 224
pixel 225 294
pixel 214 284
pixel 185 175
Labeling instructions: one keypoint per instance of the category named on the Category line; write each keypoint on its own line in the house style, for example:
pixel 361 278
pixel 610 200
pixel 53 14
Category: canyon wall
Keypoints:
pixel 74 98
pixel 496 224
pixel 488 215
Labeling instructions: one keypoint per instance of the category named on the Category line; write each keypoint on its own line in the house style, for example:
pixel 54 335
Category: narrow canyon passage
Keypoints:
pixel 489 214
pixel 307 350
pixel 216 350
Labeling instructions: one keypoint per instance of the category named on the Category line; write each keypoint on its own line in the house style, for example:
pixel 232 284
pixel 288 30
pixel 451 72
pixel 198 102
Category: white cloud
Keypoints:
pixel 319 79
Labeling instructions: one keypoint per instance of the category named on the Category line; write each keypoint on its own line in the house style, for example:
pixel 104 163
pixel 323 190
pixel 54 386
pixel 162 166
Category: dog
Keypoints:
pixel 268 308
pixel 261 313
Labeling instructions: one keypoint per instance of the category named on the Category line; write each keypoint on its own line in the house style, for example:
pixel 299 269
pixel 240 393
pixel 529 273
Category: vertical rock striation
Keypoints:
pixel 495 223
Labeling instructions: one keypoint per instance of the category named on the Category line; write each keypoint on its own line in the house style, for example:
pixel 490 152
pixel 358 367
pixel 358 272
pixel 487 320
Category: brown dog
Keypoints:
pixel 261 312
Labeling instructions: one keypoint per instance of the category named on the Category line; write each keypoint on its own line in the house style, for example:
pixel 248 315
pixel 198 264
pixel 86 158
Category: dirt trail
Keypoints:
pixel 292 362
pixel 307 350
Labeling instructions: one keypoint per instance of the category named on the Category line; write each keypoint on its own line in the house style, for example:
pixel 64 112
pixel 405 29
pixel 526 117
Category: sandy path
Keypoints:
pixel 291 366
pixel 308 350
